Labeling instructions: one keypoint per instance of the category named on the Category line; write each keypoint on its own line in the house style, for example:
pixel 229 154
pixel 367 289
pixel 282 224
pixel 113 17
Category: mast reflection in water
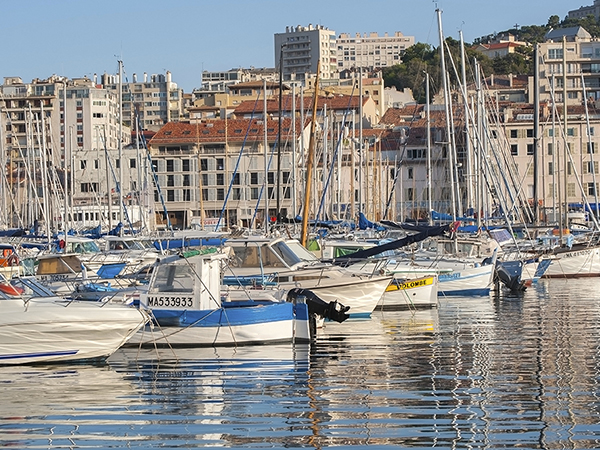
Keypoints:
pixel 487 372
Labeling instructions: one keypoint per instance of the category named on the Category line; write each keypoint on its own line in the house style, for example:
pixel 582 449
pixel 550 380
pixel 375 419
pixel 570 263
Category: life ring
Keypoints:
pixel 9 289
pixel 12 260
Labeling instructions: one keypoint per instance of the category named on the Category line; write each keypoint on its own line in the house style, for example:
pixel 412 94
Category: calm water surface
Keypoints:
pixel 497 372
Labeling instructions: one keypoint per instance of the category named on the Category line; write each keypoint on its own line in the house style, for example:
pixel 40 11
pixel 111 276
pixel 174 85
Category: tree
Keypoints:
pixel 553 22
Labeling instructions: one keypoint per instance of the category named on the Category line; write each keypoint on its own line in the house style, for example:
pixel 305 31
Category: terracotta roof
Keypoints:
pixel 336 103
pixel 214 131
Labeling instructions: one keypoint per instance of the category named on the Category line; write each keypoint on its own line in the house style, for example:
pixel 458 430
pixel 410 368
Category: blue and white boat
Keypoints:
pixel 188 309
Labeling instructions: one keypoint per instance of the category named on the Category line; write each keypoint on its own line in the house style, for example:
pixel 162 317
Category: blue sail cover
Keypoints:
pixel 364 223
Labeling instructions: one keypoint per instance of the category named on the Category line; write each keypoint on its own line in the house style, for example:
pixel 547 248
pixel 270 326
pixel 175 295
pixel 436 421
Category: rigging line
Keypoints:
pixel 262 188
pixel 239 158
pixel 334 159
pixel 399 164
pixel 155 177
pixel 118 185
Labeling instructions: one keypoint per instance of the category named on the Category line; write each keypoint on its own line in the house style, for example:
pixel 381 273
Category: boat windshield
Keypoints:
pixel 82 247
pixel 292 253
pixel 174 278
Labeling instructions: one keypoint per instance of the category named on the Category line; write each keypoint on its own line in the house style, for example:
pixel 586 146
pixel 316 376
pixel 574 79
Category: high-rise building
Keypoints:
pixel 371 51
pixel 156 100
pixel 302 48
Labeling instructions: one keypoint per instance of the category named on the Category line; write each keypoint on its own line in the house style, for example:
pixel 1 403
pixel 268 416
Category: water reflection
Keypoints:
pixel 500 371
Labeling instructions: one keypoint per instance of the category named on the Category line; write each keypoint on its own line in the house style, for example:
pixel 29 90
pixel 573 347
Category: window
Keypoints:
pixel 514 150
pixel 220 179
pixel 170 195
pixel 236 179
pixel 170 165
pixel 591 147
pixel 530 132
pixel 83 164
pixel 514 134
pixel 117 163
pixel 254 178
pixel 271 177
pixel 253 193
pixel 220 164
pixel 236 194
pixel 285 177
pixel 220 194
pixel 590 167
pixel 409 173
pixel 187 196
pixel 185 165
pixel 530 149
pixel 550 148
pixel 555 53
pixel 569 168
pixel 132 163
pixel 170 180
pixel 550 168
pixel 186 180
pixel 571 190
pixel 591 188
pixel 204 164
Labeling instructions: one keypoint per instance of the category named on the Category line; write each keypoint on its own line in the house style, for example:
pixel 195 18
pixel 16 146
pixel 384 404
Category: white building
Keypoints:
pixel 371 51
pixel 302 48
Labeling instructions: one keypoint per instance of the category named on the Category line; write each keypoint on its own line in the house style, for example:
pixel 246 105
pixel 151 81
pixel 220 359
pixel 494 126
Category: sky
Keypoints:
pixel 77 38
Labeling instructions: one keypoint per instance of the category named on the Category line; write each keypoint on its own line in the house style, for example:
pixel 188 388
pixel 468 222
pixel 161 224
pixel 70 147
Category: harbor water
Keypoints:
pixel 502 371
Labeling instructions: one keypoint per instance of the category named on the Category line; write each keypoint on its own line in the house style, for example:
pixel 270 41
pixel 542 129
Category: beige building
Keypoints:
pixel 371 51
pixel 585 11
pixel 302 48
pixel 155 99
pixel 57 124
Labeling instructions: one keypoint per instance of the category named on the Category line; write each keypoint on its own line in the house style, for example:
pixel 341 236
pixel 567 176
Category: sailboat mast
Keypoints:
pixel 536 132
pixel 266 157
pixel 120 141
pixel 468 151
pixel 309 162
pixel 427 109
pixel 447 109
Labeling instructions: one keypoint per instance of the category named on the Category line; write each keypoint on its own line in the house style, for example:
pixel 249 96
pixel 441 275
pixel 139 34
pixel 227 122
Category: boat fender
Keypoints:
pixel 9 289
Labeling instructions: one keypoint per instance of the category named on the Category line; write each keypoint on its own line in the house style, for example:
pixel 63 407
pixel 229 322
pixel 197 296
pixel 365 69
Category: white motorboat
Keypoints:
pixel 187 308
pixel 37 326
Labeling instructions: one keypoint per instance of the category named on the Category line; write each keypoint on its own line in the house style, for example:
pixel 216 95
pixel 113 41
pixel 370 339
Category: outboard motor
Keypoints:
pixel 316 307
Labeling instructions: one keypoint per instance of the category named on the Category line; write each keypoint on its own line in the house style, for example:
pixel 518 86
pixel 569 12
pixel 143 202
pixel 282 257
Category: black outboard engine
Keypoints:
pixel 316 307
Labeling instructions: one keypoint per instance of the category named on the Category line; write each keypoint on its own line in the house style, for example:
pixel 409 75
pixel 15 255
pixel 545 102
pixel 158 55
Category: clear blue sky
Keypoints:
pixel 81 37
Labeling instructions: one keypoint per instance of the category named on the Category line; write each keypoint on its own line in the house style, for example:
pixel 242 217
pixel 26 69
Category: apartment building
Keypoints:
pixel 300 48
pixel 216 169
pixel 154 99
pixel 58 123
pixel 371 51
pixel 570 55
pixel 585 11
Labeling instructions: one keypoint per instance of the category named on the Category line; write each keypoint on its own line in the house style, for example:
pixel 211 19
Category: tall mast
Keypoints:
pixel 536 131
pixel 310 159
pixel 447 109
pixel 266 145
pixel 468 150
pixel 427 108
pixel 120 141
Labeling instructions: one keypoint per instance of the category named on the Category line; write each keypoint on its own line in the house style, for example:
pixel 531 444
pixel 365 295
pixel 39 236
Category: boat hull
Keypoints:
pixel 410 294
pixel 360 293
pixel 59 331
pixel 575 264
pixel 237 323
